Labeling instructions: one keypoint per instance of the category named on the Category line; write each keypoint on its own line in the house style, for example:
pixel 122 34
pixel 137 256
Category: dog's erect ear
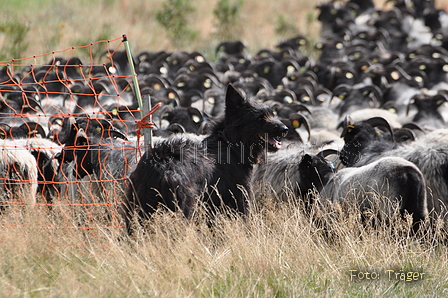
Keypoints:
pixel 234 99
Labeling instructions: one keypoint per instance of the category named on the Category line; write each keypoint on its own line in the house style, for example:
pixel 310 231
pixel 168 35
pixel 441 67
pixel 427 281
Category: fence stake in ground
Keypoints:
pixel 145 106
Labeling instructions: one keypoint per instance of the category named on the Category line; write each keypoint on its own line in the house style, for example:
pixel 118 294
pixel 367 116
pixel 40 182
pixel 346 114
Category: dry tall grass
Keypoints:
pixel 276 252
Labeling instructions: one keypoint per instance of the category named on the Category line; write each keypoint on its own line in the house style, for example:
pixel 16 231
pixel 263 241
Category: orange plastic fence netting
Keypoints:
pixel 63 116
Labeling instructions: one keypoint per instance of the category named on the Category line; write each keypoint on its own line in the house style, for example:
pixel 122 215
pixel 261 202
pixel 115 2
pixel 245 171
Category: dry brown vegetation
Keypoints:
pixel 58 25
pixel 278 251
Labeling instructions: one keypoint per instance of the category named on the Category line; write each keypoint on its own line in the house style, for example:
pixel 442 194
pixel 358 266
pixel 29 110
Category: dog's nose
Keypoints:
pixel 284 130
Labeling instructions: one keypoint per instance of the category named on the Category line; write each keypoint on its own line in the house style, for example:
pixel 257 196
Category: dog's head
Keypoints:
pixel 252 123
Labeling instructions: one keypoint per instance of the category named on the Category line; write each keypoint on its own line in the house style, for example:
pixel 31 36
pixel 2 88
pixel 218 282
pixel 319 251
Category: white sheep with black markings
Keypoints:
pixel 45 152
pixel 18 174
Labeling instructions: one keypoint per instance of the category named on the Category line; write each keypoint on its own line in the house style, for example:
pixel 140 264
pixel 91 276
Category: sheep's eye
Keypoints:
pixel 266 70
pixel 392 110
pixel 163 70
pixel 412 55
pixel 115 112
pixel 211 100
pixel 339 46
pixel 445 68
pixel 208 83
pixel 349 75
pixel 171 95
pixel 296 123
pixel 191 68
pixel 180 84
pixel 418 79
pixel 76 89
pixel 394 75
pixel 98 128
pixel 422 67
pixel 306 98
pixel 341 96
pixel 156 86
pixel 196 119
pixel 288 99
pixel 174 62
pixel 436 55
pixel 350 128
pixel 319 46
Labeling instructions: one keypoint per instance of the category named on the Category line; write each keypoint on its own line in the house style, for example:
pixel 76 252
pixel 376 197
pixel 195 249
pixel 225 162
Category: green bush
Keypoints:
pixel 285 27
pixel 15 34
pixel 174 18
pixel 227 14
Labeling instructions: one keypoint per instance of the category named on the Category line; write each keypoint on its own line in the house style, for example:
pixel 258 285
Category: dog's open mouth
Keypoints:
pixel 273 143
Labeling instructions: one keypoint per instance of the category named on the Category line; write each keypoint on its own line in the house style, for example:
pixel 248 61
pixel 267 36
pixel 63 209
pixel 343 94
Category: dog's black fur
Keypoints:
pixel 179 171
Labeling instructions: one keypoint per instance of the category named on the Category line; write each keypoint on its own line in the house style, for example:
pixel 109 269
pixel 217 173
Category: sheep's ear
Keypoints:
pixel 234 98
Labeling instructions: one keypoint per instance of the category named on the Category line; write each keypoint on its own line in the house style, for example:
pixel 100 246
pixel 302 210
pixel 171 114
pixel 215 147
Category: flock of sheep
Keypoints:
pixel 367 118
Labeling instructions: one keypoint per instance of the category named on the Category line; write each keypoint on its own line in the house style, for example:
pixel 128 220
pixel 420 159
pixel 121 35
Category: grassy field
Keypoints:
pixel 276 252
pixel 29 27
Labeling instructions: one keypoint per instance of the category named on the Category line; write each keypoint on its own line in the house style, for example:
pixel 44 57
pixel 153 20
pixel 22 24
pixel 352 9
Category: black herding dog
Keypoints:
pixel 179 171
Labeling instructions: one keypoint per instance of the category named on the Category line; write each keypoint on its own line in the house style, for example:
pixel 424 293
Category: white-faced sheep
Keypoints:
pixel 18 174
